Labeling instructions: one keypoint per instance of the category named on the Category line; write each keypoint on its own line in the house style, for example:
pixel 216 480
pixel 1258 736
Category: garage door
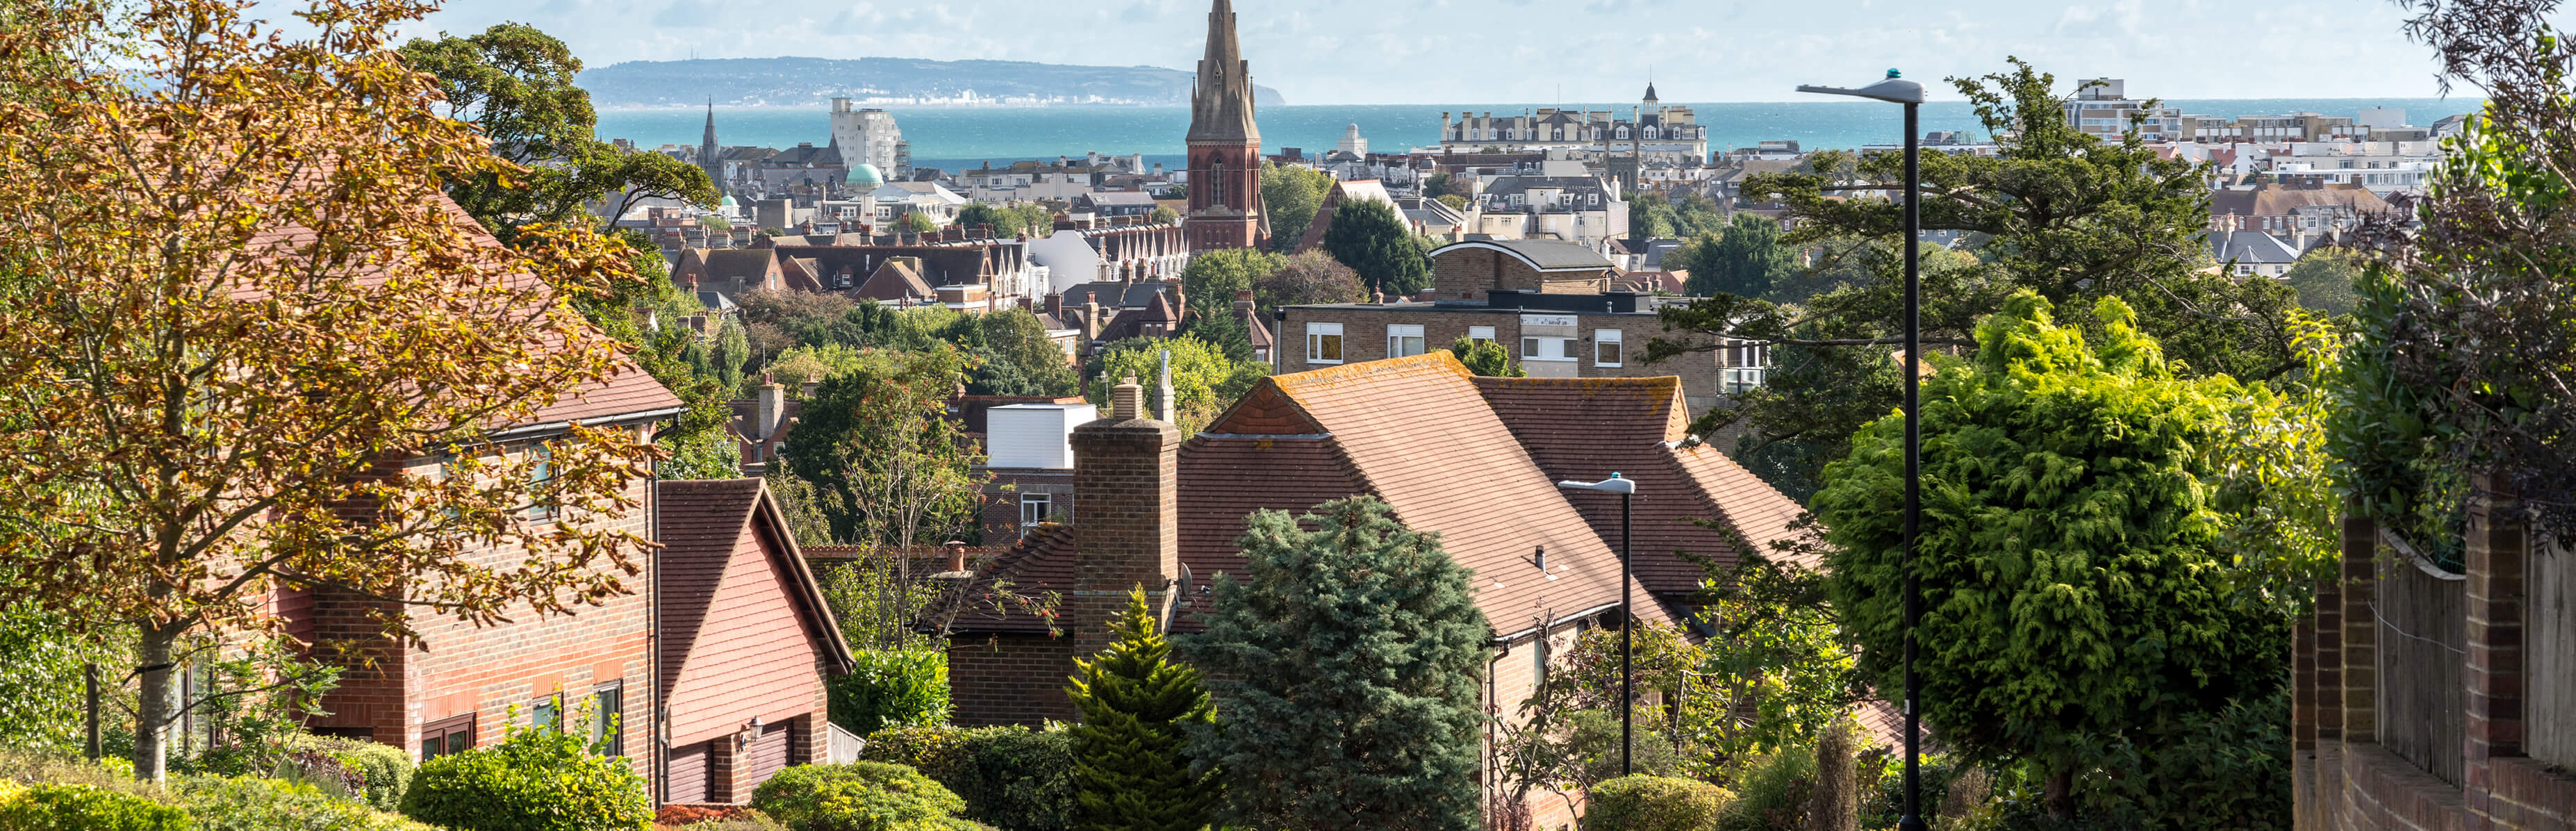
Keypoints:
pixel 689 780
pixel 766 756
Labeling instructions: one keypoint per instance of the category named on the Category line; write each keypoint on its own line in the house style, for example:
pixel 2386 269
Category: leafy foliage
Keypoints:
pixel 1292 194
pixel 1213 277
pixel 1136 704
pixel 1204 379
pixel 2072 584
pixel 860 796
pixel 1372 239
pixel 165 488
pixel 1009 776
pixel 1486 358
pixel 2324 280
pixel 1308 277
pixel 891 688
pixel 42 685
pixel 256 804
pixel 1654 803
pixel 889 470
pixel 1744 259
pixel 384 770
pixel 535 779
pixel 1345 664
pixel 46 806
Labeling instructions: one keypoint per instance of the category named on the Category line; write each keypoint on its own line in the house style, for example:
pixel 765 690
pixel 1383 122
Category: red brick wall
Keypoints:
pixel 1466 274
pixel 1001 511
pixel 1364 339
pixel 1009 679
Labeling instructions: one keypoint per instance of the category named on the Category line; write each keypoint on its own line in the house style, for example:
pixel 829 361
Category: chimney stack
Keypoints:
pixel 772 400
pixel 1126 523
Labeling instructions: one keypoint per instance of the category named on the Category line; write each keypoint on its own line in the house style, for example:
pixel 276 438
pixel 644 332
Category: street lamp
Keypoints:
pixel 1896 89
pixel 1625 488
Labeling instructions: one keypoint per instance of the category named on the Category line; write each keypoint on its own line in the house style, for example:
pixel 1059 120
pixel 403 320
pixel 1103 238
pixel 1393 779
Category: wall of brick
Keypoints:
pixel 1364 339
pixel 1000 514
pixel 1468 273
pixel 2346 780
pixel 1009 679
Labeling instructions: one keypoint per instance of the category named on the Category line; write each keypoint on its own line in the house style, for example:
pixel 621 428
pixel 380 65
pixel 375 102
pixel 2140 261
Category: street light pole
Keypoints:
pixel 1895 89
pixel 1626 489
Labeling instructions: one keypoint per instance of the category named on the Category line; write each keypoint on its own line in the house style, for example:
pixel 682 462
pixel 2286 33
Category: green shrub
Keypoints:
pixel 385 769
pixel 1654 803
pixel 891 688
pixel 253 804
pixel 1010 776
pixel 534 780
pixel 859 796
pixel 1771 791
pixel 47 806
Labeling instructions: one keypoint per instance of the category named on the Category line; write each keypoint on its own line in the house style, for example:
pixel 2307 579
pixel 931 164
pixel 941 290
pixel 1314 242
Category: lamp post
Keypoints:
pixel 1625 488
pixel 1895 89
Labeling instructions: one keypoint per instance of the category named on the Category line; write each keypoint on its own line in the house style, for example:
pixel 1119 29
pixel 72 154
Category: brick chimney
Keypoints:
pixel 772 403
pixel 1127 523
pixel 1055 304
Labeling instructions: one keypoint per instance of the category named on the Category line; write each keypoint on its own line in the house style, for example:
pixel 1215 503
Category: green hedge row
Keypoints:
pixel 1011 776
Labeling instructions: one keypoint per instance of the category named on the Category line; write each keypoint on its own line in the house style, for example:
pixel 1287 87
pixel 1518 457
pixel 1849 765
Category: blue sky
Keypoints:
pixel 1483 51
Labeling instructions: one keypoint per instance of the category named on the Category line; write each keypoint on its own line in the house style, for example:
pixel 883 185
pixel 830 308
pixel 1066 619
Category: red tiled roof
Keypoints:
pixel 700 524
pixel 1041 562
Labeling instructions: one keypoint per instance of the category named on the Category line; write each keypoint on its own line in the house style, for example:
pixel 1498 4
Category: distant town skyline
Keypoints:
pixel 1352 52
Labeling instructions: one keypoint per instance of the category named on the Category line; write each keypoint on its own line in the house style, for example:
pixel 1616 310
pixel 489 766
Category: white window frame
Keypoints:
pixel 1404 340
pixel 1534 348
pixel 1316 338
pixel 1608 338
pixel 1044 503
pixel 1482 333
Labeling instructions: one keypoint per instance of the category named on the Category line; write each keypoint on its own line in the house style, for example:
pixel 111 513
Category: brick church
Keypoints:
pixel 1225 147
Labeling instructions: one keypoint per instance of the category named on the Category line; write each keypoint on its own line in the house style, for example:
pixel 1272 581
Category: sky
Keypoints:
pixel 1483 51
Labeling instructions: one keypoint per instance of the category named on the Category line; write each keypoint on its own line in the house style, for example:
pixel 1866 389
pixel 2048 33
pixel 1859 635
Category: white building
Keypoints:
pixel 869 136
pixel 2102 107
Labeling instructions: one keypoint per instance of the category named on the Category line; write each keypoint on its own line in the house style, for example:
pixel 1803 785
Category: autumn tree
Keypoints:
pixel 243 312
pixel 515 84
pixel 1308 277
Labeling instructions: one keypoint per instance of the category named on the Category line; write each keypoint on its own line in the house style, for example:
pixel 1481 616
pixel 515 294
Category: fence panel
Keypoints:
pixel 2422 650
pixel 2549 653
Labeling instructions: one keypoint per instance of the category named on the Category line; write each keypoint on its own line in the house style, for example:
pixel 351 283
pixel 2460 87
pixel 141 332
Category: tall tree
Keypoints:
pixel 1014 339
pixel 1204 379
pixel 1346 664
pixel 1744 260
pixel 1291 194
pixel 1212 279
pixel 515 84
pixel 1372 239
pixel 274 305
pixel 1308 277
pixel 1130 768
pixel 2058 211
pixel 2074 589
pixel 889 468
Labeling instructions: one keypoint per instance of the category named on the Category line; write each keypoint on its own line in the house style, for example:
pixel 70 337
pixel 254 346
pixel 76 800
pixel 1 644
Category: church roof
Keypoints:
pixel 1221 106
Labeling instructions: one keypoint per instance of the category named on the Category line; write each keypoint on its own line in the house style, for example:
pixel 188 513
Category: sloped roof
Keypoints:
pixel 2280 200
pixel 1539 254
pixel 2255 248
pixel 701 523
pixel 895 279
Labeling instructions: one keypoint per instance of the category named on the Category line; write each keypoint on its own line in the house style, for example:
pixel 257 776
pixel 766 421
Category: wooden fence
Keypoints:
pixel 2422 650
pixel 2549 653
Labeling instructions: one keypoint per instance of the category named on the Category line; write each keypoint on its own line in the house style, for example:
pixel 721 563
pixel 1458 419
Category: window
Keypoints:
pixel 1482 333
pixel 445 736
pixel 1403 341
pixel 547 713
pixel 1323 343
pixel 1034 509
pixel 1546 349
pixel 541 477
pixel 1605 347
pixel 608 719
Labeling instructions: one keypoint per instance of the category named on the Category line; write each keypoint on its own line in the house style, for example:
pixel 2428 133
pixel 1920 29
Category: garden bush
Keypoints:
pixel 715 818
pixel 48 806
pixel 1011 776
pixel 384 769
pixel 890 688
pixel 254 804
pixel 534 780
pixel 859 796
pixel 1654 803
pixel 1772 791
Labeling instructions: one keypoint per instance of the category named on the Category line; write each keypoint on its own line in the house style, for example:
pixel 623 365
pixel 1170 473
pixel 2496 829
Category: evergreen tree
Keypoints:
pixel 1345 667
pixel 1129 768
pixel 1372 240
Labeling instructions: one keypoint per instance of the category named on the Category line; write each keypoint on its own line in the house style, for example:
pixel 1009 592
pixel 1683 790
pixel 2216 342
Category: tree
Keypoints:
pixel 1369 237
pixel 1744 260
pixel 1212 278
pixel 1440 184
pixel 1454 201
pixel 1308 277
pixel 889 467
pixel 515 84
pixel 1484 357
pixel 1162 214
pixel 2073 588
pixel 1017 344
pixel 1204 380
pixel 273 309
pixel 1292 194
pixel 2323 280
pixel 917 222
pixel 1130 767
pixel 978 213
pixel 2060 212
pixel 1346 664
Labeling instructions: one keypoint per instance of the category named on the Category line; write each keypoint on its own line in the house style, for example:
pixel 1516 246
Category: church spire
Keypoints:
pixel 710 140
pixel 1221 106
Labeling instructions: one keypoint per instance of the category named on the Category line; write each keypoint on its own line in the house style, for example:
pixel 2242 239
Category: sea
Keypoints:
pixel 953 138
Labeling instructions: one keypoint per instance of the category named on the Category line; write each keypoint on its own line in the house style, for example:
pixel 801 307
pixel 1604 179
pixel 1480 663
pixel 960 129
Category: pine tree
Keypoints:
pixel 1129 768
pixel 1345 667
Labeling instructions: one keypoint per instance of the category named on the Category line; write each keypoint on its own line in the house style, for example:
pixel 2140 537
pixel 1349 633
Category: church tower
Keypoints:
pixel 708 151
pixel 1225 147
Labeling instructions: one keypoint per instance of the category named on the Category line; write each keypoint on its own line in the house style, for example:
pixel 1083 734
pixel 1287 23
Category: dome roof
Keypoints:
pixel 728 202
pixel 866 175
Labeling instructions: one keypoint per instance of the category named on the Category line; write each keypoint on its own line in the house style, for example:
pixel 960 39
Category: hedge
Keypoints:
pixel 859 796
pixel 1654 803
pixel 47 806
pixel 1010 776
pixel 533 780
pixel 385 770
pixel 254 804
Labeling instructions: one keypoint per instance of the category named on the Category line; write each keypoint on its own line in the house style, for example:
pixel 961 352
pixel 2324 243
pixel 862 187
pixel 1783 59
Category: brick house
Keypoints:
pixel 1154 503
pixel 1551 305
pixel 746 641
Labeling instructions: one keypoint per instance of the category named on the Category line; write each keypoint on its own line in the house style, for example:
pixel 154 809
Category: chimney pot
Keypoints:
pixel 1127 400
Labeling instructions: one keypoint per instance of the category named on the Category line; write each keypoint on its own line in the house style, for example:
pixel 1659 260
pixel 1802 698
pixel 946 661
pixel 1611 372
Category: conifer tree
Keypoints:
pixel 1129 769
pixel 1344 667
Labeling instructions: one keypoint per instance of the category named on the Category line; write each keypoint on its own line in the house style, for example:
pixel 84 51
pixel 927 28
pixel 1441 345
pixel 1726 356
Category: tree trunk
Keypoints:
pixel 155 707
pixel 2058 794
